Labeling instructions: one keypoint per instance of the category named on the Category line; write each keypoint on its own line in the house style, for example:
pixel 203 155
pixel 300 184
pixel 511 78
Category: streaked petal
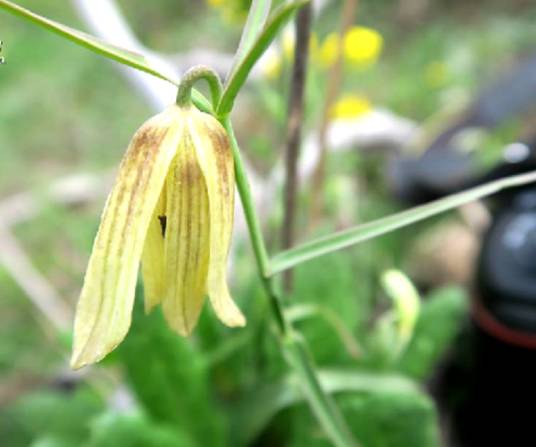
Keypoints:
pixel 103 313
pixel 216 161
pixel 186 241
pixel 152 260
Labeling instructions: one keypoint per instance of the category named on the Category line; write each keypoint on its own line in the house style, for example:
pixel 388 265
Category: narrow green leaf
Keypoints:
pixel 94 44
pixel 294 349
pixel 258 13
pixel 300 312
pixel 239 75
pixel 257 410
pixel 319 400
pixel 342 239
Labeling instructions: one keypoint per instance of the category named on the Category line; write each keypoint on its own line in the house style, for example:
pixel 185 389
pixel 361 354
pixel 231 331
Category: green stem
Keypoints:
pixel 194 74
pixel 254 227
pixel 294 347
pixel 321 403
pixel 242 184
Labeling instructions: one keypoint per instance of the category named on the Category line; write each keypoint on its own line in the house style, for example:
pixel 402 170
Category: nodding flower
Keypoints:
pixel 171 208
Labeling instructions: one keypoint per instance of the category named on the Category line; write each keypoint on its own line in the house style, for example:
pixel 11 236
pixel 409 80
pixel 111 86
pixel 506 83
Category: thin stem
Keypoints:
pixel 294 127
pixel 255 232
pixel 194 74
pixel 293 347
pixel 321 403
pixel 261 255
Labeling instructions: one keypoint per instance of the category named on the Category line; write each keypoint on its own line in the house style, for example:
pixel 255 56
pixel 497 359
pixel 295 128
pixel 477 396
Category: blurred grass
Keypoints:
pixel 63 108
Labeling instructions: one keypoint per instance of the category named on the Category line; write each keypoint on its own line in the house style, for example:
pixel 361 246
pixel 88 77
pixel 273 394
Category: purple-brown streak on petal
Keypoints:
pixel 139 159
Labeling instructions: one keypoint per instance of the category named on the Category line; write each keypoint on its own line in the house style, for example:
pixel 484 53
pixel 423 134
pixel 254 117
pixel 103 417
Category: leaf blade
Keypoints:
pixel 257 409
pixel 237 78
pixel 257 16
pixel 319 400
pixel 92 43
pixel 346 238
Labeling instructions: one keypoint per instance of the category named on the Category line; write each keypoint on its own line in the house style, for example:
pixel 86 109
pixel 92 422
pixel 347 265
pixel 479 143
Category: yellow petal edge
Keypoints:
pixel 187 240
pixel 213 152
pixel 103 313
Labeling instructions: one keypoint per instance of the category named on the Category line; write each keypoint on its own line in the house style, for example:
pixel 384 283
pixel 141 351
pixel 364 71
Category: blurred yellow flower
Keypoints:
pixel 362 46
pixel 329 50
pixel 215 3
pixel 350 106
pixel 435 73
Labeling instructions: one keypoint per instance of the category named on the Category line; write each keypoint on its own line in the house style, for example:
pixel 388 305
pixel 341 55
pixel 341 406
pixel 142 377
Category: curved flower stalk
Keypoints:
pixel 172 208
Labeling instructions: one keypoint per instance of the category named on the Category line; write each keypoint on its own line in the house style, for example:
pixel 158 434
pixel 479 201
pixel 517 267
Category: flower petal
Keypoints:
pixel 215 158
pixel 152 260
pixel 186 241
pixel 103 313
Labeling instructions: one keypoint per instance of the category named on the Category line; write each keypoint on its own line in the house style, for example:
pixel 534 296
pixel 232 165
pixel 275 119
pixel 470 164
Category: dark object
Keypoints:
pixel 505 295
pixel 487 388
pixel 443 168
pixel 485 392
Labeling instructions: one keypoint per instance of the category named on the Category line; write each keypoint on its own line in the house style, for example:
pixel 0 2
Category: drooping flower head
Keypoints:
pixel 172 208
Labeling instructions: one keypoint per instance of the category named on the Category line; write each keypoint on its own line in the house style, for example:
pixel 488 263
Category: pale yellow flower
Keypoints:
pixel 172 208
pixel 362 46
pixel 350 107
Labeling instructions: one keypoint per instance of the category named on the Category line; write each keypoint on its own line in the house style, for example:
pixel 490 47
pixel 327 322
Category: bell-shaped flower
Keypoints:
pixel 171 207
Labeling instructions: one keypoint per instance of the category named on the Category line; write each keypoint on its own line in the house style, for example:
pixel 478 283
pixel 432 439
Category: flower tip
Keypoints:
pixel 235 318
pixel 82 358
pixel 239 321
pixel 79 359
pixel 149 306
pixel 91 352
pixel 178 326
pixel 76 363
pixel 230 315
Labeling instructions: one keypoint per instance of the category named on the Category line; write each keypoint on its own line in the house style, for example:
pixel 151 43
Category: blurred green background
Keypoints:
pixel 64 110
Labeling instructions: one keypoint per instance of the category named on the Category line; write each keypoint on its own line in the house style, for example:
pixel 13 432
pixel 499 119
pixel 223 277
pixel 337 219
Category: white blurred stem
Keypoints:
pixel 37 288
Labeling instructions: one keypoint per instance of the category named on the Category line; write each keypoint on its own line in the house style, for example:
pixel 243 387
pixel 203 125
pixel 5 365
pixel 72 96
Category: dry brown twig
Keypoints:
pixel 294 129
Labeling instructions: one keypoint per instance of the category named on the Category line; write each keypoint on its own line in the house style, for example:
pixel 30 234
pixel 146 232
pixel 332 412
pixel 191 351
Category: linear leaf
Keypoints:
pixel 94 44
pixel 256 410
pixel 239 75
pixel 258 13
pixel 300 312
pixel 320 401
pixel 342 239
